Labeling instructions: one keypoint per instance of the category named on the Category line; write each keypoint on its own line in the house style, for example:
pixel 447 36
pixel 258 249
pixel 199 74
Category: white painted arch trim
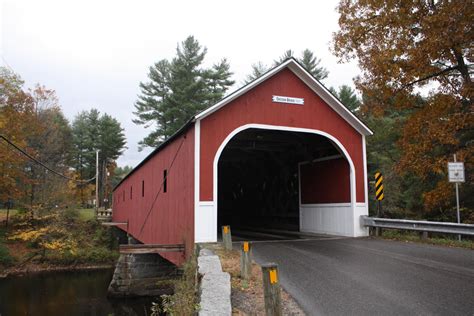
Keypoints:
pixel 213 216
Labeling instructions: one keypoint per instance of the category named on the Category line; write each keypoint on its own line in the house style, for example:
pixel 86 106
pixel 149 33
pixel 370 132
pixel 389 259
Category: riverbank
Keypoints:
pixel 32 269
pixel 59 240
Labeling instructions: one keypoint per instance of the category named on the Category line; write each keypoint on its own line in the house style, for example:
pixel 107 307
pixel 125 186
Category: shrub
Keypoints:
pixel 184 301
pixel 5 258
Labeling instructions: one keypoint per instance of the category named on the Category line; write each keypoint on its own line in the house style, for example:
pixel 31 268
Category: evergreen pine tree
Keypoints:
pixel 90 132
pixel 179 89
pixel 308 60
pixel 311 64
pixel 258 69
pixel 348 97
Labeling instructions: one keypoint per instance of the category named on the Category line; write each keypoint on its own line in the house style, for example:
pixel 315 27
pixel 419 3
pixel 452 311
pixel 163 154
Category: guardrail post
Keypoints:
pixel 424 235
pixel 378 231
pixel 227 237
pixel 271 289
pixel 245 261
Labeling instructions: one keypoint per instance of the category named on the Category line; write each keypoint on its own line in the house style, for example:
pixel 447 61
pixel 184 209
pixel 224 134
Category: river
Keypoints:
pixel 66 293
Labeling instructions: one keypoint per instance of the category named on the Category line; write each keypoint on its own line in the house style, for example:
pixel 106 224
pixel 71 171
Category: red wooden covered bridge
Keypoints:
pixel 281 152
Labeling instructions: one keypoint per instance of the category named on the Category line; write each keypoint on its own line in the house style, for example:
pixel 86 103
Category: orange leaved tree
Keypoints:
pixel 407 48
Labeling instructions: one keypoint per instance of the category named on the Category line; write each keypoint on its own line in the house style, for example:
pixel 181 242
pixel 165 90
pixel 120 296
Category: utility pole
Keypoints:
pixel 96 182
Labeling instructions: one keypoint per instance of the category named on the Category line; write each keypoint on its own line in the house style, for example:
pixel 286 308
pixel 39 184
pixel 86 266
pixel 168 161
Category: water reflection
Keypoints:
pixel 66 293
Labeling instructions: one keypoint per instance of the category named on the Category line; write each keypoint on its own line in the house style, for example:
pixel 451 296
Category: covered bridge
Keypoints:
pixel 281 152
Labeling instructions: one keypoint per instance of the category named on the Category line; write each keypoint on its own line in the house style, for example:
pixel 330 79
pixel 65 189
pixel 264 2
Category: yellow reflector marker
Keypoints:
pixel 246 246
pixel 273 276
pixel 226 229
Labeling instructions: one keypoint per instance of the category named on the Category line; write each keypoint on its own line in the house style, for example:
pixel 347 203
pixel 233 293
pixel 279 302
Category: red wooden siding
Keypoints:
pixel 325 182
pixel 256 106
pixel 171 220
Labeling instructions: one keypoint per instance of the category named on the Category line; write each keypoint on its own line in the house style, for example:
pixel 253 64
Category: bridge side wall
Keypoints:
pixel 155 216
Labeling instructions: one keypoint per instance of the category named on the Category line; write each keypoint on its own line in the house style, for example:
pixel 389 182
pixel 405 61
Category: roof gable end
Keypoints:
pixel 309 80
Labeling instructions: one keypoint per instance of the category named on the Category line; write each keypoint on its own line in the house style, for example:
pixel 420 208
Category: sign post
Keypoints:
pixel 379 196
pixel 456 175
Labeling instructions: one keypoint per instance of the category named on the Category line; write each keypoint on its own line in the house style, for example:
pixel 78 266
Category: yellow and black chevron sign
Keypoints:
pixel 379 186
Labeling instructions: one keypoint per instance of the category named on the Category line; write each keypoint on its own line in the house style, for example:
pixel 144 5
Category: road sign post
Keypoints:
pixel 379 195
pixel 456 175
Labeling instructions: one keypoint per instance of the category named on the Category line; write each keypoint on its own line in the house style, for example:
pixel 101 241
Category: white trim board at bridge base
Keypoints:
pixel 205 222
pixel 332 219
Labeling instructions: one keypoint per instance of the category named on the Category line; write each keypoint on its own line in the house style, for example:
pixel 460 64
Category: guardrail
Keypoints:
pixel 104 215
pixel 422 226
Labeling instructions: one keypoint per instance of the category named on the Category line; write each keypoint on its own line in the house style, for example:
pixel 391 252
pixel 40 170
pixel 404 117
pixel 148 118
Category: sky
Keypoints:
pixel 95 53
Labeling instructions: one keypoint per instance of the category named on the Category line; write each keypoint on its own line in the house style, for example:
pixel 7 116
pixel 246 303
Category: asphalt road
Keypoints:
pixel 373 277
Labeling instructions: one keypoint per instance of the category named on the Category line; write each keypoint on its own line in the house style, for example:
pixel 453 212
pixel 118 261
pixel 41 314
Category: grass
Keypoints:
pixel 86 214
pixel 61 237
pixel 410 236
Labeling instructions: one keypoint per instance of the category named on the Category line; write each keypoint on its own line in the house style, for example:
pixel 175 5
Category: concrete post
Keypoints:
pixel 245 261
pixel 271 289
pixel 227 237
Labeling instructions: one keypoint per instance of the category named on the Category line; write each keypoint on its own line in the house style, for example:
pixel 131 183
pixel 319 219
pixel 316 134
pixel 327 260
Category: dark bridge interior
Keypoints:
pixel 258 177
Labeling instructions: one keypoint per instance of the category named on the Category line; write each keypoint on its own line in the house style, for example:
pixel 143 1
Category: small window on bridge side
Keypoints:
pixel 143 188
pixel 165 180
pixel 131 188
pixel 124 195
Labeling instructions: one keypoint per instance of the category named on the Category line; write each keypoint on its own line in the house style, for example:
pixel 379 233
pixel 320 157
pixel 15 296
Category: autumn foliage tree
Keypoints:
pixel 18 123
pixel 32 120
pixel 407 48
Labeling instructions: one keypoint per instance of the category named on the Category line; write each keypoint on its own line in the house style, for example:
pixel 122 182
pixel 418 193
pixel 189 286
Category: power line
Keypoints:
pixel 161 187
pixel 41 163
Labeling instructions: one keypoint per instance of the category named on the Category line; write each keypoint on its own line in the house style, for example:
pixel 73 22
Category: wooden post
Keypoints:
pixel 227 237
pixel 271 289
pixel 424 235
pixel 245 261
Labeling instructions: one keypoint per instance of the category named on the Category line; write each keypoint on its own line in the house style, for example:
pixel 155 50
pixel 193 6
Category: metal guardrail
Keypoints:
pixel 422 226
pixel 104 215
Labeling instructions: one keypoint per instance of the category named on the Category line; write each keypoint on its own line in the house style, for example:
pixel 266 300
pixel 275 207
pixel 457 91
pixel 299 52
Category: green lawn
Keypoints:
pixel 86 214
